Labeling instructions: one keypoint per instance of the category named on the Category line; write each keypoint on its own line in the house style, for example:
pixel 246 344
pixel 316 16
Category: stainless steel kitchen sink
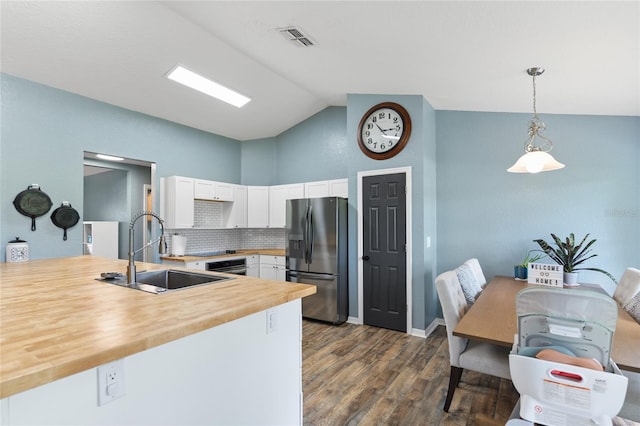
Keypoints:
pixel 167 280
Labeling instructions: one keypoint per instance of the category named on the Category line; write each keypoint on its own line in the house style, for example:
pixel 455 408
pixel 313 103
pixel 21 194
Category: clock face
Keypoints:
pixel 384 130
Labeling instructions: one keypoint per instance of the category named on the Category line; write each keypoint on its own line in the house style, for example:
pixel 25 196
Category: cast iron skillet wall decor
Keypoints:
pixel 32 202
pixel 65 217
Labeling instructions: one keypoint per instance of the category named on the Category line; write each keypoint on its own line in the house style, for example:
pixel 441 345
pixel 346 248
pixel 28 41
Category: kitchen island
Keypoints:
pixel 221 353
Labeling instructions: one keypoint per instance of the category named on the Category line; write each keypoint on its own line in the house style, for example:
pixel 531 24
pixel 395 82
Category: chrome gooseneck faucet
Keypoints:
pixel 162 248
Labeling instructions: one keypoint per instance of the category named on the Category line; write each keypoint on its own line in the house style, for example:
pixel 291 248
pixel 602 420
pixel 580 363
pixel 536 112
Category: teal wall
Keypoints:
pixel 468 204
pixel 45 132
pixel 316 149
pixel 486 212
pixel 419 154
pixel 258 159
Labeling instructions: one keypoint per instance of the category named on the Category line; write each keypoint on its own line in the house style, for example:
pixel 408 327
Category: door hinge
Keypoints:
pixel 405 247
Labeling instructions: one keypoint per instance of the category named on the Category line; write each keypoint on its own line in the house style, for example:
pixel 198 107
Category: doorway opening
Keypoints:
pixel 363 234
pixel 114 191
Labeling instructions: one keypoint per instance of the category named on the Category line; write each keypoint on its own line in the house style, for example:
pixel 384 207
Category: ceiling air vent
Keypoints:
pixel 296 36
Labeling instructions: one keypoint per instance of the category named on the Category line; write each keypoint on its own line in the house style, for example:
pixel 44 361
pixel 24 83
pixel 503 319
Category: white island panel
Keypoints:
pixel 236 373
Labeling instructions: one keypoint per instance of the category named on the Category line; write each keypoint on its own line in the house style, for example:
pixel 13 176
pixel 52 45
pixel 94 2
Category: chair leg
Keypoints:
pixel 454 378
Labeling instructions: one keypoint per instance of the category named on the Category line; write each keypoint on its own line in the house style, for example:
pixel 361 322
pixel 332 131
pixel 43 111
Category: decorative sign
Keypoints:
pixel 545 274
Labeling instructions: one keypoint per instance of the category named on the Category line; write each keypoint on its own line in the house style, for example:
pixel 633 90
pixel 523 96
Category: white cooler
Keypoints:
pixel 557 394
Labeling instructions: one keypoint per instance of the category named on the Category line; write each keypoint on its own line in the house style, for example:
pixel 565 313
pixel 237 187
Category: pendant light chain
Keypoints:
pixel 535 111
pixel 536 157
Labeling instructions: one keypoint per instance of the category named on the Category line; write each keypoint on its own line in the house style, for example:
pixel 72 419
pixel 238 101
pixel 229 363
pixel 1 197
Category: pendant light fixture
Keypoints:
pixel 536 157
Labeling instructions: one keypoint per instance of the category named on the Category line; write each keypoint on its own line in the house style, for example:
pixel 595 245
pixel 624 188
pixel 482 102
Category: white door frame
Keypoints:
pixel 361 175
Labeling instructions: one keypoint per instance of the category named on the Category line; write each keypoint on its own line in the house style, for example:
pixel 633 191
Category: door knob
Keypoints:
pixel 365 257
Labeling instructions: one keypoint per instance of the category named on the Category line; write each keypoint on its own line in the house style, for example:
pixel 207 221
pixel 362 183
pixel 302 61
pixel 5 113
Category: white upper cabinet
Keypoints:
pixel 316 189
pixel 258 207
pixel 235 213
pixel 339 188
pixel 327 188
pixel 244 206
pixel 176 202
pixel 213 191
pixel 278 196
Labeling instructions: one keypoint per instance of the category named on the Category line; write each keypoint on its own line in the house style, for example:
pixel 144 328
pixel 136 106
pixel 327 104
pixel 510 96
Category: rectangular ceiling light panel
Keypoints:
pixel 209 87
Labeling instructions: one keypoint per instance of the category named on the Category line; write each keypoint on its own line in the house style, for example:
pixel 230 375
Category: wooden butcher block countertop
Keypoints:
pixel 239 253
pixel 58 320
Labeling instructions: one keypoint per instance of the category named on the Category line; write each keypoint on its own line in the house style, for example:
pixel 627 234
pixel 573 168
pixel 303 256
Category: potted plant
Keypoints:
pixel 520 270
pixel 571 255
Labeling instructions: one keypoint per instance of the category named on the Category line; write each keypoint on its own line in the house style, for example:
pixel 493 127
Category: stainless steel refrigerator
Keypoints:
pixel 316 239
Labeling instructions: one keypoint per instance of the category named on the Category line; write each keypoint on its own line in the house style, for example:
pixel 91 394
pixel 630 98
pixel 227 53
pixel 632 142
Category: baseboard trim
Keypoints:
pixel 430 329
pixel 354 320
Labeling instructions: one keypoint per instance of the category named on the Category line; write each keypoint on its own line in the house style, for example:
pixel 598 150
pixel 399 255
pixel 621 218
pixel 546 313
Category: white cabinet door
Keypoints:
pixel 258 207
pixel 204 189
pixel 316 189
pixel 277 204
pixel 235 213
pixel 224 191
pixel 253 265
pixel 199 264
pixel 339 188
pixel 273 268
pixel 212 191
pixel 278 196
pixel 176 199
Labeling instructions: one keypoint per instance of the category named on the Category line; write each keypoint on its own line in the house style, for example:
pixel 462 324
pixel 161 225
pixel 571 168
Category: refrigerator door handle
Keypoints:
pixel 306 235
pixel 311 234
pixel 325 277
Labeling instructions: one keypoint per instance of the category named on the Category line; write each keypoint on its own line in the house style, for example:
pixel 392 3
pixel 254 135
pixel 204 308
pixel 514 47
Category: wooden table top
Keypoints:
pixel 57 319
pixel 492 318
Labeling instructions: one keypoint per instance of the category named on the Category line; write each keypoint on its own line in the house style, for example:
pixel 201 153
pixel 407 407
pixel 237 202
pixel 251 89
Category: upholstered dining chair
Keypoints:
pixel 474 264
pixel 628 286
pixel 482 357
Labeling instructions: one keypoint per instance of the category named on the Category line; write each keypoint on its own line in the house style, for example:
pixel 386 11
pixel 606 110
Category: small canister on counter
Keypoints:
pixel 17 250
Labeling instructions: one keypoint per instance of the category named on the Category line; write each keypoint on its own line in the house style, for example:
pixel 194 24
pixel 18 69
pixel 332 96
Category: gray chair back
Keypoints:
pixel 454 306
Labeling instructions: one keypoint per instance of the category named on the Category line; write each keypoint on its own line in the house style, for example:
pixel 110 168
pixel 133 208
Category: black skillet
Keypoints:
pixel 65 217
pixel 32 202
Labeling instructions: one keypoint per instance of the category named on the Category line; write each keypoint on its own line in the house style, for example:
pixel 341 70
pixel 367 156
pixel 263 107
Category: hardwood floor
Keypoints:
pixel 361 375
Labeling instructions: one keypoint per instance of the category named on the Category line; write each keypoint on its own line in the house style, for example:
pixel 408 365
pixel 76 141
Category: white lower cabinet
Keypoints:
pixel 273 268
pixel 253 265
pixel 195 265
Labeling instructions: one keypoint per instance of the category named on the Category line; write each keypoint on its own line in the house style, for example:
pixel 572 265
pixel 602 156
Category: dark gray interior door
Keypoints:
pixel 384 251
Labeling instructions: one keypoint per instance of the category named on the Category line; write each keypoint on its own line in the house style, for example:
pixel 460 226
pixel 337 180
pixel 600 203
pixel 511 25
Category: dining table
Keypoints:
pixel 492 318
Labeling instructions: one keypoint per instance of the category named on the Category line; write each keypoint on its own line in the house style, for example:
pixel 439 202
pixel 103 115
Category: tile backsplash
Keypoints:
pixel 207 240
pixel 209 215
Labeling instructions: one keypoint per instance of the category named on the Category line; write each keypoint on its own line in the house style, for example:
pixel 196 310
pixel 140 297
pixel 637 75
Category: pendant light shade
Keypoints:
pixel 536 157
pixel 534 162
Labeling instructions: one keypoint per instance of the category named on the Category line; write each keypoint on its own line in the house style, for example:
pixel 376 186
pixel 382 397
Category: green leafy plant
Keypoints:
pixel 530 258
pixel 571 255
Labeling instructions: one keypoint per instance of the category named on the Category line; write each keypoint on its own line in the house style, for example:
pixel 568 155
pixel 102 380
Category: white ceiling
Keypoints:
pixel 459 55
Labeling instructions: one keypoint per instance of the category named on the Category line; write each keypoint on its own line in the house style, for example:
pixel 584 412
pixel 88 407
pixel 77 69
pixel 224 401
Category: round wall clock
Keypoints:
pixel 384 130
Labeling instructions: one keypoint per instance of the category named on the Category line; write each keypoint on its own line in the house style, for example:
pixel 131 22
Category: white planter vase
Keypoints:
pixel 570 278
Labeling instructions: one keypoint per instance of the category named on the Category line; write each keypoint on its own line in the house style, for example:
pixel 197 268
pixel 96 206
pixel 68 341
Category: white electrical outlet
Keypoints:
pixel 110 381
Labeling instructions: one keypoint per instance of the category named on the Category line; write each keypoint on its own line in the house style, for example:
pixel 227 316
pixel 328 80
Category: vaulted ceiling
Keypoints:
pixel 459 55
